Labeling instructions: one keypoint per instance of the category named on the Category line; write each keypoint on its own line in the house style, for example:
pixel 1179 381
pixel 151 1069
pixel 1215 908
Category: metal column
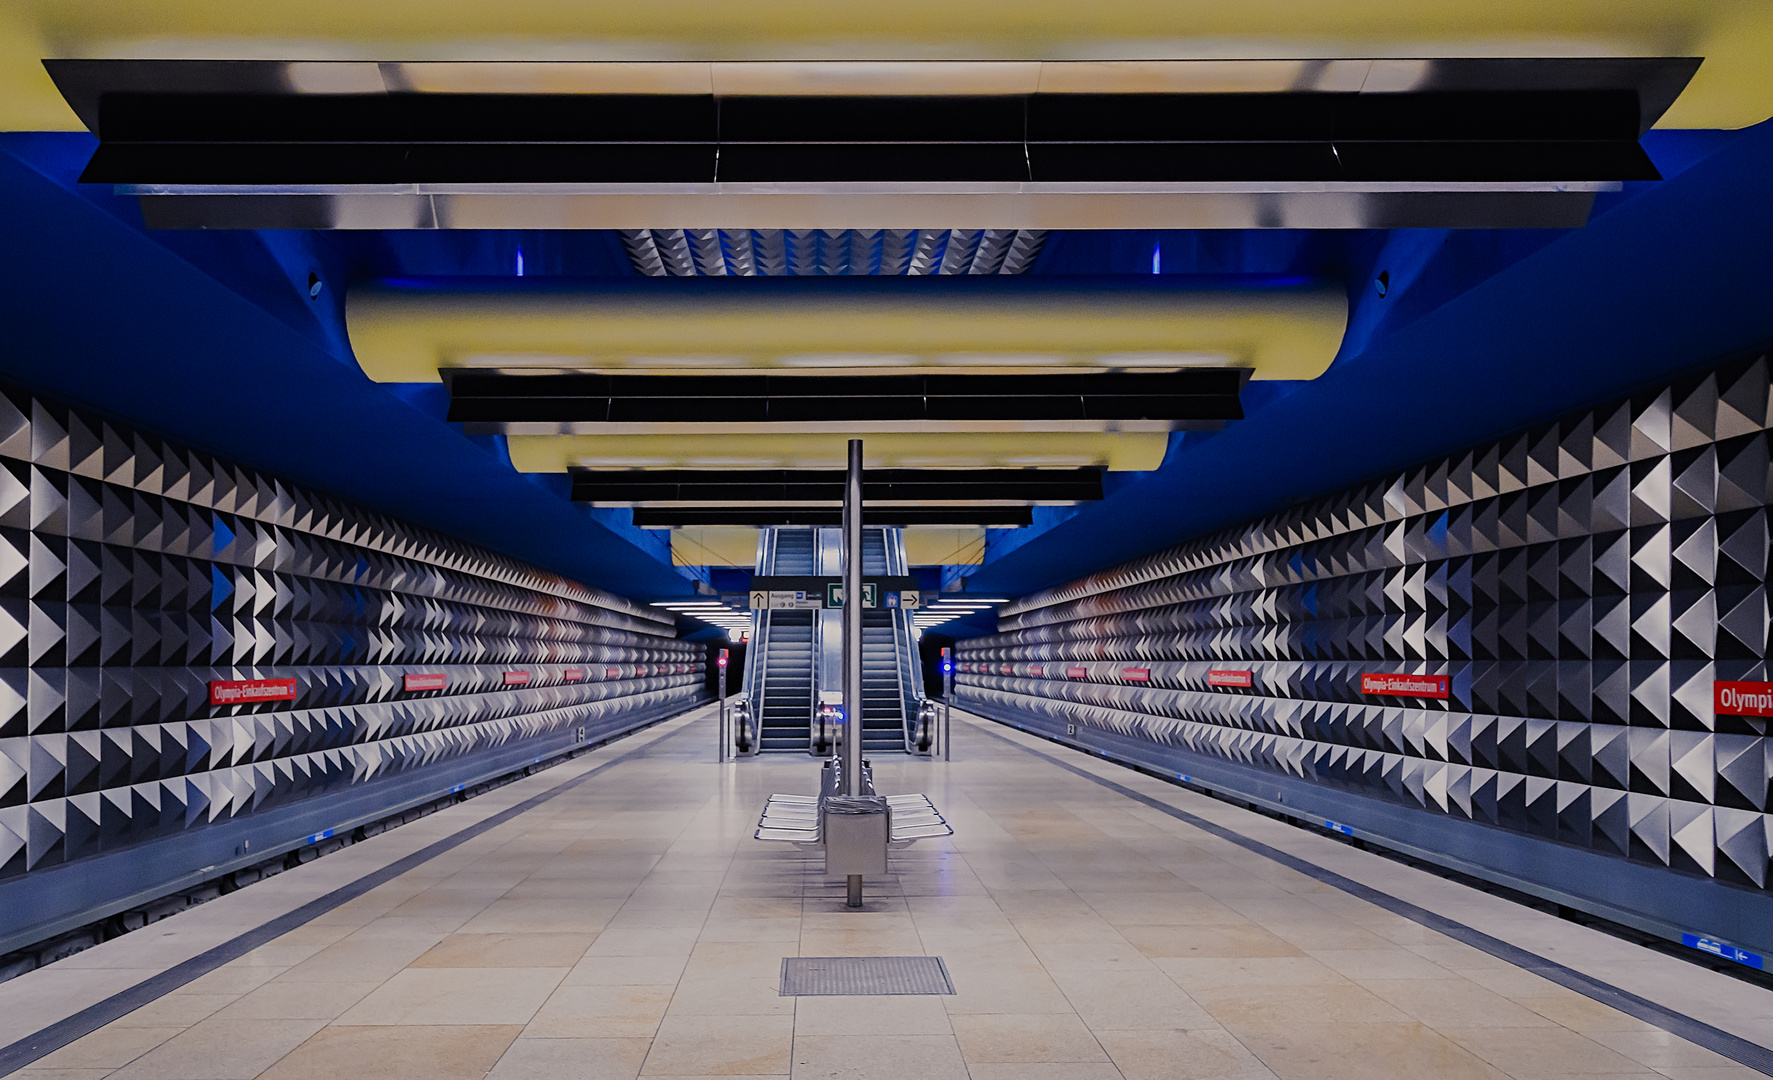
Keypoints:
pixel 852 639
pixel 724 736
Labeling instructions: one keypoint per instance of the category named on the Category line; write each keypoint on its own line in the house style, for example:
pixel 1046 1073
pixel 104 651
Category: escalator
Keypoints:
pixel 781 679
pixel 793 662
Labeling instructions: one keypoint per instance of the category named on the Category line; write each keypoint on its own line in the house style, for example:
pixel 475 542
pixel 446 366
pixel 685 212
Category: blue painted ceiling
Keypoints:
pixel 214 338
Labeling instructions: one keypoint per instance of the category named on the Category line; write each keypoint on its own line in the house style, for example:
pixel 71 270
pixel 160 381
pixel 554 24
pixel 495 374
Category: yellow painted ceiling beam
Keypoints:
pixel 1731 90
pixel 407 335
pixel 1115 451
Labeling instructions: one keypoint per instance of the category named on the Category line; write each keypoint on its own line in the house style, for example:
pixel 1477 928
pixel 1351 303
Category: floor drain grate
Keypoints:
pixel 827 976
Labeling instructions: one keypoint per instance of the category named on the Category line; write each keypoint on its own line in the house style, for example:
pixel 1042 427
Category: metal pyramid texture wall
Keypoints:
pixel 134 572
pixel 1581 585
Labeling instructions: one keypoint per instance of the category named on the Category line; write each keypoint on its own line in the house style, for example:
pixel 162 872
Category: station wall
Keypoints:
pixel 1581 586
pixel 136 574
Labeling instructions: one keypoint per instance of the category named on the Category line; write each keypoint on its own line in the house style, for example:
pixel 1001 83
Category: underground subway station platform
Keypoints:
pixel 576 541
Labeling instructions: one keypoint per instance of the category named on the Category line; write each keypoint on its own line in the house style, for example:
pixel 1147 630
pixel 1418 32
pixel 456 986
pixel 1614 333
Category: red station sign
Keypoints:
pixel 250 691
pixel 427 681
pixel 1136 674
pixel 516 678
pixel 1077 673
pixel 1743 698
pixel 1395 685
pixel 1231 678
pixel 573 674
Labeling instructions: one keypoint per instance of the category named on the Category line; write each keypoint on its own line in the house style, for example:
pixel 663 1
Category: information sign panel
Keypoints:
pixel 834 595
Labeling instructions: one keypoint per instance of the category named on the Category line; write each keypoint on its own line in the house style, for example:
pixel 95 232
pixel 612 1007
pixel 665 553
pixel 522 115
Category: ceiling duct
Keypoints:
pixel 830 252
pixel 1462 142
pixel 1201 399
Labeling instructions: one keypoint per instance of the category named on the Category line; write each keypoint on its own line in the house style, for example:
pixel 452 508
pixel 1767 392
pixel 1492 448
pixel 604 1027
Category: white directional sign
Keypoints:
pixel 780 600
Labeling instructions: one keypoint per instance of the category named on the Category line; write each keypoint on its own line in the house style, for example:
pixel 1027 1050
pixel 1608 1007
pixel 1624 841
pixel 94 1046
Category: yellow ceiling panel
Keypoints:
pixel 404 335
pixel 1731 90
pixel 714 545
pixel 1115 451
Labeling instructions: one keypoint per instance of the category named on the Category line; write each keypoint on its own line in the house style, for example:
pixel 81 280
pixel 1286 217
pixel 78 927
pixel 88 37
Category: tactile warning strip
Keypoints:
pixel 833 976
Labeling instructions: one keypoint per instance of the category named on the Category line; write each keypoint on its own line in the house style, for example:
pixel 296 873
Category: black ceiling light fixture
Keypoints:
pixel 1449 142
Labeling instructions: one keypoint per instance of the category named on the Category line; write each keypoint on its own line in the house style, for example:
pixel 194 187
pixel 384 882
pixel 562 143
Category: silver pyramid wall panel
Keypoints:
pixel 1582 585
pixel 135 571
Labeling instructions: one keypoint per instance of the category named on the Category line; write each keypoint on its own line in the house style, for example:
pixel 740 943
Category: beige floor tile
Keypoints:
pixel 560 916
pixel 1333 1051
pixel 572 1059
pixel 456 996
pixel 1105 956
pixel 1025 1037
pixel 297 1001
pixel 1548 1049
pixel 506 951
pixel 990 989
pixel 1327 932
pixel 1393 963
pixel 1046 1070
pixel 731 995
pixel 230 981
pixel 451 900
pixel 1240 1008
pixel 1181 1055
pixel 896 1015
pixel 1283 971
pixel 642 943
pixel 1110 1000
pixel 721 1045
pixel 1579 1013
pixel 877 1057
pixel 600 1012
pixel 362 957
pixel 782 930
pixel 624 970
pixel 1242 939
pixel 1453 1003
pixel 110 1047
pixel 1659 1049
pixel 396 1053
pixel 59 1074
pixel 221 1050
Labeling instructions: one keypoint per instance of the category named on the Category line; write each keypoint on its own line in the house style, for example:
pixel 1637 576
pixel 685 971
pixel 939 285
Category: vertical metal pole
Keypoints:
pixel 852 640
pixel 725 741
pixel 852 622
pixel 948 709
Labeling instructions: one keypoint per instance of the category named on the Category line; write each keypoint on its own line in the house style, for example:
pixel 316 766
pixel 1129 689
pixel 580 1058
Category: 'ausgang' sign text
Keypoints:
pixel 251 691
pixel 1743 698
pixel 1376 682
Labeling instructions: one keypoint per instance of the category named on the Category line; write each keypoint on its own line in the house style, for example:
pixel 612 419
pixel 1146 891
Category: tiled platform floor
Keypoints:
pixel 631 927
